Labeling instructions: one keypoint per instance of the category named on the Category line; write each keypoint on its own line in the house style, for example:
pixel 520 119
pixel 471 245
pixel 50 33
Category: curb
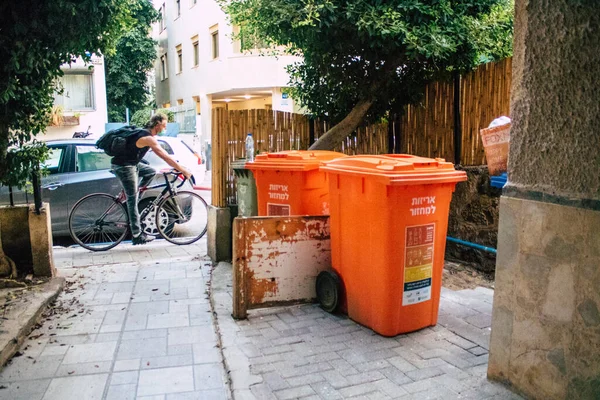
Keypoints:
pixel 236 362
pixel 19 327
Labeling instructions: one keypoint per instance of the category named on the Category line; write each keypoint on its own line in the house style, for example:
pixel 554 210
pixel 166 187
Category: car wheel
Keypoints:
pixel 148 223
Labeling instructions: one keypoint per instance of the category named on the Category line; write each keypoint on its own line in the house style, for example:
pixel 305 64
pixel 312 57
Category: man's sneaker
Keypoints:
pixel 142 239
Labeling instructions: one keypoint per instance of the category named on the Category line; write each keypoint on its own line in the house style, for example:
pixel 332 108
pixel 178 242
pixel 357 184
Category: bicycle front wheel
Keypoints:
pixel 98 222
pixel 182 218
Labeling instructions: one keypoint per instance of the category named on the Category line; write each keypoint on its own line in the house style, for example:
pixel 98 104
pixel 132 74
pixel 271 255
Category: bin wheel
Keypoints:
pixel 328 290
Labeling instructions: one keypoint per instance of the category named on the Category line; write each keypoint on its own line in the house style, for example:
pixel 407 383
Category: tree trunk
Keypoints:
pixel 7 266
pixel 4 134
pixel 335 135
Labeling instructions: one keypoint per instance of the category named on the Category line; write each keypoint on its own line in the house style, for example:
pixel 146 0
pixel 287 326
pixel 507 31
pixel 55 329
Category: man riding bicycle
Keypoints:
pixel 129 169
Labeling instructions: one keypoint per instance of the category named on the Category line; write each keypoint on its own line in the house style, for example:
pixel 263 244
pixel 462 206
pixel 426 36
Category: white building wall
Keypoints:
pixel 95 119
pixel 214 82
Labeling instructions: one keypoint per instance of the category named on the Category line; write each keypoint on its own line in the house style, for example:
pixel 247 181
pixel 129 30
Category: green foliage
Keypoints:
pixel 36 38
pixel 493 33
pixel 378 51
pixel 21 161
pixel 141 117
pixel 126 70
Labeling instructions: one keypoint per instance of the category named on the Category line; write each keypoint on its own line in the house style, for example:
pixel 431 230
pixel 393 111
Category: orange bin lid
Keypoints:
pixel 293 160
pixel 397 169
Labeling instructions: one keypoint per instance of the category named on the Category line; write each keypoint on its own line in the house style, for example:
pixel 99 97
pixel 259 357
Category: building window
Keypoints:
pixel 78 92
pixel 197 103
pixel 196 50
pixel 215 43
pixel 163 17
pixel 249 40
pixel 179 59
pixel 178 4
pixel 164 68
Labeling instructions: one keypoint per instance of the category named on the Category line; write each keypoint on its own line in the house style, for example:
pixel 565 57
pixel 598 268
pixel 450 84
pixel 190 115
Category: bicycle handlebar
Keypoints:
pixel 176 174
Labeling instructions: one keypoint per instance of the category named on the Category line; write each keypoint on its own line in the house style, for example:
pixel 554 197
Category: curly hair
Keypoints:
pixel 155 120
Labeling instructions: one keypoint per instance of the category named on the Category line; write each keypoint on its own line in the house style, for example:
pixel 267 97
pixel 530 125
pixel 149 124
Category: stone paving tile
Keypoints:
pixel 121 392
pixel 24 369
pixel 127 365
pixel 208 376
pixel 169 320
pixel 90 352
pixel 167 361
pixel 191 335
pixel 214 394
pixel 85 368
pixel 166 380
pixel 25 390
pixel 89 387
pixel 143 347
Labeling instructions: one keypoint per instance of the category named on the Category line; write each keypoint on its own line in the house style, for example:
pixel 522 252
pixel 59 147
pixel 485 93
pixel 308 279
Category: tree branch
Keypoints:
pixel 335 135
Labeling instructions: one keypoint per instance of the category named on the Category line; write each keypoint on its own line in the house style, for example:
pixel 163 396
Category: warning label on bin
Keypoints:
pixel 418 263
pixel 274 210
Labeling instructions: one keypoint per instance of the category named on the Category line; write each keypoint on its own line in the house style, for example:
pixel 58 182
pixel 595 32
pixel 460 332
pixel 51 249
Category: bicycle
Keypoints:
pixel 99 221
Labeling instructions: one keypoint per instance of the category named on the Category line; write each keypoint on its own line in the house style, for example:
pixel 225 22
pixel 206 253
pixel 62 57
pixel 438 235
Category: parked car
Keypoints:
pixel 183 153
pixel 77 168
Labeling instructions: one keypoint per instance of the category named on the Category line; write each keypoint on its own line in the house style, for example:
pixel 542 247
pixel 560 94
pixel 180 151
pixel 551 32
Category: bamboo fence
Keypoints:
pixel 485 95
pixel 272 131
pixel 426 129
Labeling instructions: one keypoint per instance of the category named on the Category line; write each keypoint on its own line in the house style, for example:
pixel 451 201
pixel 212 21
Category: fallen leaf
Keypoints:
pixel 71 372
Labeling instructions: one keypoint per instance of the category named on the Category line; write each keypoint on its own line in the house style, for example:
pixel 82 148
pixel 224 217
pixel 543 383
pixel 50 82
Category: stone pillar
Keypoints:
pixel 545 339
pixel 40 234
pixel 219 233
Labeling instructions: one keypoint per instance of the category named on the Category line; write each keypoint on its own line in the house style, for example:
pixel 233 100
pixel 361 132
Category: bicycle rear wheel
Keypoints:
pixel 98 222
pixel 182 218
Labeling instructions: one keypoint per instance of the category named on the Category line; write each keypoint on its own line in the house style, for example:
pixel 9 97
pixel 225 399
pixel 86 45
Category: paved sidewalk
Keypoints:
pixel 303 352
pixel 133 323
pixel 137 323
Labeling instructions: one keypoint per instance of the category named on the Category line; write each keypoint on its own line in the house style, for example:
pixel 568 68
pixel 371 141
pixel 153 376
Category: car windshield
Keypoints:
pixel 52 163
pixel 89 158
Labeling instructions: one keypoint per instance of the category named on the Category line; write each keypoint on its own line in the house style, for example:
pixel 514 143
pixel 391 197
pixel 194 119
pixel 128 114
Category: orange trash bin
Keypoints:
pixel 388 221
pixel 290 183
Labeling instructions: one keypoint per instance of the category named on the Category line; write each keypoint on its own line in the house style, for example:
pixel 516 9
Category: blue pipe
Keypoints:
pixel 473 245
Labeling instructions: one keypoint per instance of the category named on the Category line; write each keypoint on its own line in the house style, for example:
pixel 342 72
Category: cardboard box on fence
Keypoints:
pixel 495 143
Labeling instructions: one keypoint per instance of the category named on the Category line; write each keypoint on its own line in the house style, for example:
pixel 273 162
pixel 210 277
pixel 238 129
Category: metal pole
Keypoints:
pixel 127 115
pixel 457 121
pixel 391 137
pixel 37 190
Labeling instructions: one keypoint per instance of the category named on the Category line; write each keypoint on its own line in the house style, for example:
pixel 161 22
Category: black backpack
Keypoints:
pixel 114 143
